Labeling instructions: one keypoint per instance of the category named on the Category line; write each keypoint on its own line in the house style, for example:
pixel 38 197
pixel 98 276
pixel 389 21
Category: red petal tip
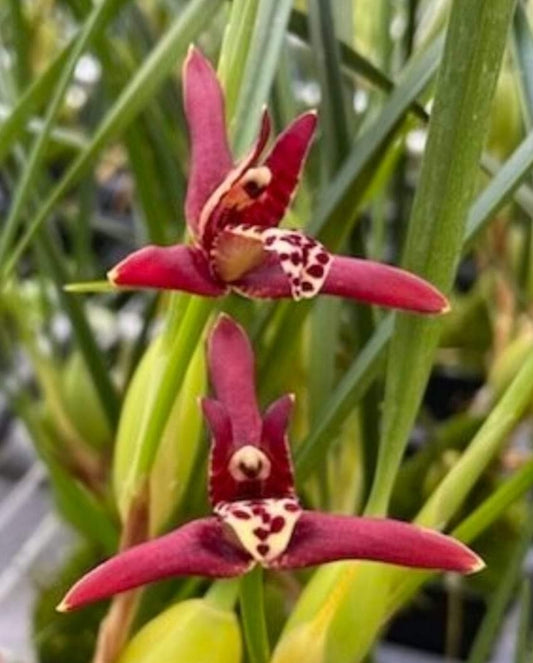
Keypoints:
pixel 477 565
pixel 446 307
pixel 112 276
pixel 64 606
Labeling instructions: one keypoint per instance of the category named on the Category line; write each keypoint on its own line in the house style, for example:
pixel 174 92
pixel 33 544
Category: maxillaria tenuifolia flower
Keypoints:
pixel 233 211
pixel 257 517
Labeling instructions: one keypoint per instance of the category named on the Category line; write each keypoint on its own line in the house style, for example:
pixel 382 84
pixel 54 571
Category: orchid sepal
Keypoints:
pixel 198 548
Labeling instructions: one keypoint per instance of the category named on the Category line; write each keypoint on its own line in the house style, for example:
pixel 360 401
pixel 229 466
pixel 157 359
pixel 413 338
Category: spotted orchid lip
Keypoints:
pixel 233 211
pixel 259 520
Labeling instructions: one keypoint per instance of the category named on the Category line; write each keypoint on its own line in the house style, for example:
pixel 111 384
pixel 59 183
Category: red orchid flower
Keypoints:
pixel 233 211
pixel 257 516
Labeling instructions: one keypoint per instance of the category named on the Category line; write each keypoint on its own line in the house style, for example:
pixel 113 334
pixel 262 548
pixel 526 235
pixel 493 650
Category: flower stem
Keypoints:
pixel 253 616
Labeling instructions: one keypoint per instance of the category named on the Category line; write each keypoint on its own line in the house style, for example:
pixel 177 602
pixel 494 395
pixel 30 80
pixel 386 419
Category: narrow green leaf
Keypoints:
pixel 90 286
pixel 75 502
pixel 523 651
pixel 265 48
pixel 451 492
pixel 344 398
pixel 234 51
pixel 523 54
pixel 334 117
pixel 33 98
pixel 340 200
pixel 134 97
pixel 253 616
pixel 99 17
pixel 355 62
pixel 500 189
pixel 475 43
pixel 154 389
pixel 92 355
pixel 20 36
pixel 503 594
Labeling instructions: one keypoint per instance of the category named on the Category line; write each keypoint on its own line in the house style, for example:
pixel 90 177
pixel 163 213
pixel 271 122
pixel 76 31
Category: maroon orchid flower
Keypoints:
pixel 233 211
pixel 257 516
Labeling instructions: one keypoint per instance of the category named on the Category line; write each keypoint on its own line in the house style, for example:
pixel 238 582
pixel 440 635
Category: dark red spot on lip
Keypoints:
pixel 290 506
pixel 261 534
pixel 316 270
pixel 283 256
pixel 263 549
pixel 277 524
pixel 258 510
pixel 306 286
pixel 243 515
pixel 269 241
pixel 265 517
pixel 296 258
pixel 322 258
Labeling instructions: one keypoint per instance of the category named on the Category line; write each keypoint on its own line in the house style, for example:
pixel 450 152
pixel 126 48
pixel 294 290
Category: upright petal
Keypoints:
pixel 231 366
pixel 235 191
pixel 198 548
pixel 222 485
pixel 285 163
pixel 210 155
pixel 177 267
pixel 320 538
pixel 377 283
pixel 275 442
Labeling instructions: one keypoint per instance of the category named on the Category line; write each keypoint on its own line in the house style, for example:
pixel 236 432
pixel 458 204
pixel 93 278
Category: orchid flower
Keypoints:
pixel 233 211
pixel 257 516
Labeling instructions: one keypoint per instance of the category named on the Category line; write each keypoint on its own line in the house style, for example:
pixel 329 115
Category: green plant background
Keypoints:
pixel 423 159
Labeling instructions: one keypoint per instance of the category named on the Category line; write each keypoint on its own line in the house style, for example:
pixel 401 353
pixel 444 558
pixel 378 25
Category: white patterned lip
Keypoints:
pixel 249 464
pixel 304 261
pixel 263 527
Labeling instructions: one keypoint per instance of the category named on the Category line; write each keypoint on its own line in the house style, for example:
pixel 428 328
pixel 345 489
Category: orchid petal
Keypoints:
pixel 377 283
pixel 198 548
pixel 223 205
pixel 177 267
pixel 210 155
pixel 319 538
pixel 231 366
pixel 275 443
pixel 285 163
pixel 222 486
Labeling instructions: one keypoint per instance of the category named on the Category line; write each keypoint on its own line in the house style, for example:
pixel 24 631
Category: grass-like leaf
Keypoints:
pixel 471 63
pixel 132 100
